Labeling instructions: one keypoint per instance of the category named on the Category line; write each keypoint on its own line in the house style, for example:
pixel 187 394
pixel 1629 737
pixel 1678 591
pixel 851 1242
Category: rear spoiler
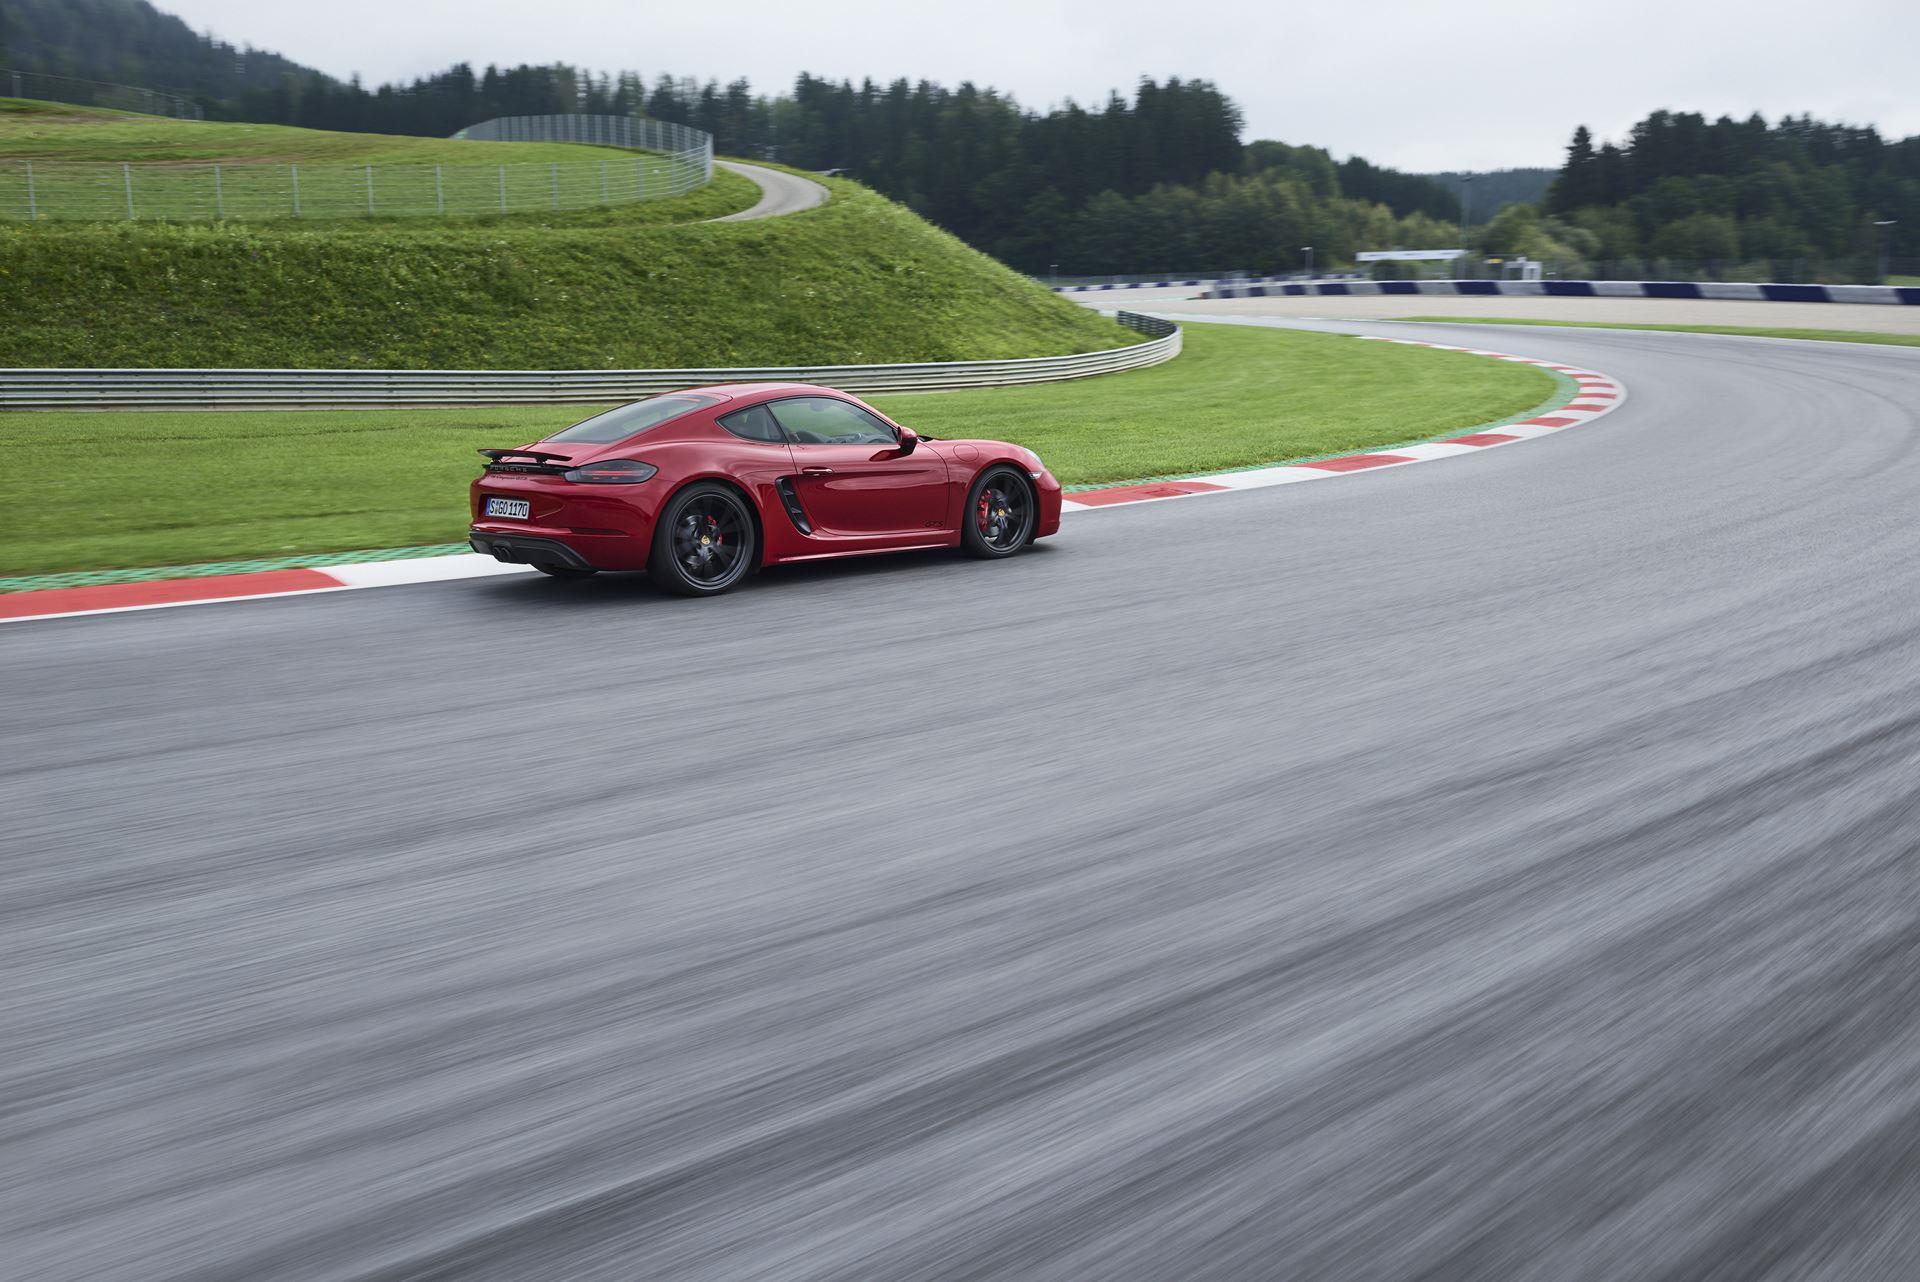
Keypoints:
pixel 535 455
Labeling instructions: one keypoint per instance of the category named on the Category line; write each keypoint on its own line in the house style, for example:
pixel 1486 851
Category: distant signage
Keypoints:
pixel 1408 255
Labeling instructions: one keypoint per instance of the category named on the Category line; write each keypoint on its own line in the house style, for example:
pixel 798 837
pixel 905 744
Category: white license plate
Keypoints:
pixel 516 509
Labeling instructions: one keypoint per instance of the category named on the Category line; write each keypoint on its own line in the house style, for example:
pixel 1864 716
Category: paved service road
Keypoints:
pixel 780 192
pixel 1501 867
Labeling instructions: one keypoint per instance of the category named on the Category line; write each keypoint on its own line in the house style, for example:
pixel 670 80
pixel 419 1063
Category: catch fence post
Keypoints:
pixel 296 189
pixel 33 209
pixel 369 191
pixel 553 182
pixel 439 192
pixel 126 175
pixel 219 199
pixel 603 183
pixel 503 189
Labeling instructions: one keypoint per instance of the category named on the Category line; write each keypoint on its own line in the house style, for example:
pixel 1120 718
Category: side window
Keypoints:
pixel 755 423
pixel 822 420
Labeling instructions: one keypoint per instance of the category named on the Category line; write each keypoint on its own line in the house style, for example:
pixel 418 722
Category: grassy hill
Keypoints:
pixel 857 280
pixel 59 162
pixel 55 131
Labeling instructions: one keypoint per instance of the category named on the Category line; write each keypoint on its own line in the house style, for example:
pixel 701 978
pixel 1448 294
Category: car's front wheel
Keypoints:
pixel 1000 513
pixel 704 542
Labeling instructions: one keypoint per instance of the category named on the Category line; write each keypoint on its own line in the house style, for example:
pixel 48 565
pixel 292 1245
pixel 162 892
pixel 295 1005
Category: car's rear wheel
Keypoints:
pixel 563 571
pixel 1000 513
pixel 704 542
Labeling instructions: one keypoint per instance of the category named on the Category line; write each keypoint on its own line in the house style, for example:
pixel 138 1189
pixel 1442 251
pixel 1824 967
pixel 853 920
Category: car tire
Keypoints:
pixel 1001 515
pixel 563 571
pixel 705 541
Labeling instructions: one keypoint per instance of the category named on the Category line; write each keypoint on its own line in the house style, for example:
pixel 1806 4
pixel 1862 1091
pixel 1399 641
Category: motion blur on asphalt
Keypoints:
pixel 1500 860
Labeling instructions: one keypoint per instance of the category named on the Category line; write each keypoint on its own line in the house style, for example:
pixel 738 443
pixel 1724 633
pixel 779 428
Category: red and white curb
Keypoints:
pixel 1597 395
pixel 158 594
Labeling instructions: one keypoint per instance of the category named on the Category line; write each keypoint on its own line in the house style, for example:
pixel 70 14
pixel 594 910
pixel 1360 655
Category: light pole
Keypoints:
pixel 1308 251
pixel 1885 236
pixel 1466 208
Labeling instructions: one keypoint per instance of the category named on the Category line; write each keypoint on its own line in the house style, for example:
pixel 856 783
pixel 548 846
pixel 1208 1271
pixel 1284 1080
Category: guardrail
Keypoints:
pixel 1897 295
pixel 345 388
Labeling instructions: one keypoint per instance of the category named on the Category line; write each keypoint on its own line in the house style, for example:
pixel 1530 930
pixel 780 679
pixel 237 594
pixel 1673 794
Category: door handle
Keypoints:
pixel 816 471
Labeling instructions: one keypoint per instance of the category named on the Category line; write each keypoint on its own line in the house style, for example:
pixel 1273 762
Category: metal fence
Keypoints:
pixel 670 160
pixel 316 389
pixel 98 93
pixel 688 152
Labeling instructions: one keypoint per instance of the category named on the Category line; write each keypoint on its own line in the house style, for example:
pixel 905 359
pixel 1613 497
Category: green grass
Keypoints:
pixel 74 163
pixel 120 489
pixel 331 196
pixel 1903 280
pixel 1237 397
pixel 856 281
pixel 1742 331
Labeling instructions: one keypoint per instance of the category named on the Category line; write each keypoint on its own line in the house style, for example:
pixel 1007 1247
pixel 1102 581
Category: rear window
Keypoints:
pixel 619 424
pixel 755 423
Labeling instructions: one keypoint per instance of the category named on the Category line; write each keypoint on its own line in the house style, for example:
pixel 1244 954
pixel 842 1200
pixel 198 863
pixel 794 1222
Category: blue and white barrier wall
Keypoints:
pixel 1201 280
pixel 1897 295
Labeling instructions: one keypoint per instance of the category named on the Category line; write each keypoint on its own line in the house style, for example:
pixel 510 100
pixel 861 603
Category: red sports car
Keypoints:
pixel 699 488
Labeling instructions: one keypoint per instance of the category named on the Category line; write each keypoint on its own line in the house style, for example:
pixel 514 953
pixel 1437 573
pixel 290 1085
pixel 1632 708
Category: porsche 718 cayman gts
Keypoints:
pixel 700 488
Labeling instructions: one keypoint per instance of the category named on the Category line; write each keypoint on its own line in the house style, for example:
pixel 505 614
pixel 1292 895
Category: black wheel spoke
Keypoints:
pixel 1001 516
pixel 710 539
pixel 1005 513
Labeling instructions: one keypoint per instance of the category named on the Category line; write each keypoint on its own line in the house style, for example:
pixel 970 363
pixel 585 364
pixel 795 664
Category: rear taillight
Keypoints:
pixel 614 471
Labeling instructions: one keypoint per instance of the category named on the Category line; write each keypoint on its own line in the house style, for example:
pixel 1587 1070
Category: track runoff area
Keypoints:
pixel 1595 394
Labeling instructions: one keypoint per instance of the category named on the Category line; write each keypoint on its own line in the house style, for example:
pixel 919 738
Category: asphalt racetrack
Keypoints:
pixel 1500 867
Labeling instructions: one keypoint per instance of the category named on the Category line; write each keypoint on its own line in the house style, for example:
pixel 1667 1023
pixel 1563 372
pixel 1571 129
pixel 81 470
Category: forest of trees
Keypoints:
pixel 1494 189
pixel 1797 196
pixel 1158 180
pixel 130 42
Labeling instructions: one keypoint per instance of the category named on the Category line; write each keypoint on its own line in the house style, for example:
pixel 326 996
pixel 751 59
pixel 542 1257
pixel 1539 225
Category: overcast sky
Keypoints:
pixel 1417 84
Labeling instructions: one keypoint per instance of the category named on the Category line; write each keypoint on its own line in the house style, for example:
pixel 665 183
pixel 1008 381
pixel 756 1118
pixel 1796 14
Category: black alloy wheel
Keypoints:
pixel 704 542
pixel 1000 514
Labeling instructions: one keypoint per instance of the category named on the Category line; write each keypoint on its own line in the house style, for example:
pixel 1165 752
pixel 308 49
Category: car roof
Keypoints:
pixel 764 391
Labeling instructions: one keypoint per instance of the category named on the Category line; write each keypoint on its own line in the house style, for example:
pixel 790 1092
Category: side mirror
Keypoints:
pixel 909 440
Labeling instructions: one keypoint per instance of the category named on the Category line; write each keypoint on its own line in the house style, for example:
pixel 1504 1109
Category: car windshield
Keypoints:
pixel 619 424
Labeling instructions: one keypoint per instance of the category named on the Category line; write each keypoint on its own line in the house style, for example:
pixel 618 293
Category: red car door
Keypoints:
pixel 853 479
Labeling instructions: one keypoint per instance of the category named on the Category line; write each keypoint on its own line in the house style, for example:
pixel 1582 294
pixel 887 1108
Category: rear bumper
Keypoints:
pixel 559 545
pixel 526 549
